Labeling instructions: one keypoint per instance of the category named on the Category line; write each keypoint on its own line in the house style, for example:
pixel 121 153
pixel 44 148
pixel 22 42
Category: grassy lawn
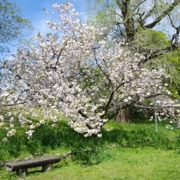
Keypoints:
pixel 126 151
pixel 116 163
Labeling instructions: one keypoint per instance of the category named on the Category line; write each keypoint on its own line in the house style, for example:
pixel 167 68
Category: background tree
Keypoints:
pixel 134 22
pixel 12 28
pixel 12 24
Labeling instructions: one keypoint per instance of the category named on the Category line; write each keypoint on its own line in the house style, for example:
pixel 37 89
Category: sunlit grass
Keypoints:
pixel 118 163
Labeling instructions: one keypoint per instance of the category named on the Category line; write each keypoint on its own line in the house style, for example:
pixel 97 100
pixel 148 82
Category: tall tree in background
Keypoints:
pixel 12 28
pixel 134 21
pixel 12 24
pixel 125 18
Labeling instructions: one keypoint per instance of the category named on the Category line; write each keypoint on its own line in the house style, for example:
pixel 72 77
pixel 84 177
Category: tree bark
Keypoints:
pixel 123 115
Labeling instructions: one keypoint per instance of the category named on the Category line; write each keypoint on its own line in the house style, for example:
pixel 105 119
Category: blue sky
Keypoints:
pixel 33 10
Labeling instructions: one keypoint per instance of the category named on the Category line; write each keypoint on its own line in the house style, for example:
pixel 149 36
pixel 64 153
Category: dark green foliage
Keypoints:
pixel 91 156
pixel 141 135
pixel 14 147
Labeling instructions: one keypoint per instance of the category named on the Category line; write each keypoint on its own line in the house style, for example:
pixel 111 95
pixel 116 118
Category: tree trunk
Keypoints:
pixel 123 115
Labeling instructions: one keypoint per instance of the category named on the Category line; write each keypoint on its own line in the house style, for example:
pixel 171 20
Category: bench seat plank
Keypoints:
pixel 25 164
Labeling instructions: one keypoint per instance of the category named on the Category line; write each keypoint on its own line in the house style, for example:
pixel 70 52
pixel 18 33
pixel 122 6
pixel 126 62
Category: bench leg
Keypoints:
pixel 17 172
pixel 24 172
pixel 47 167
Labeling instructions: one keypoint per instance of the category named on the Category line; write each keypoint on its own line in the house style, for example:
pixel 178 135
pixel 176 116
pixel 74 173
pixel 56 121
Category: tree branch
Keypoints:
pixel 107 76
pixel 171 21
pixel 164 13
pixel 139 4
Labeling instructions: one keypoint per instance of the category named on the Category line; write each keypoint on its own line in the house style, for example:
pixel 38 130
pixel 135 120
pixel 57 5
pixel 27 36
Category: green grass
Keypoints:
pixel 117 163
pixel 126 151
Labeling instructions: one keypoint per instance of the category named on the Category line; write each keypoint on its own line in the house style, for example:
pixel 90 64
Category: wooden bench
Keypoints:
pixel 44 161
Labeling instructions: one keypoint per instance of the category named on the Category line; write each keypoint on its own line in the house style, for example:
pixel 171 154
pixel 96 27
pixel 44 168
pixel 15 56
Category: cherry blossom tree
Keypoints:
pixel 75 68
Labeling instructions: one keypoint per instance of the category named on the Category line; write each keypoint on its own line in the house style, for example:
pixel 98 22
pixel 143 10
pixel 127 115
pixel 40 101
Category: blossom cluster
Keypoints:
pixel 77 69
